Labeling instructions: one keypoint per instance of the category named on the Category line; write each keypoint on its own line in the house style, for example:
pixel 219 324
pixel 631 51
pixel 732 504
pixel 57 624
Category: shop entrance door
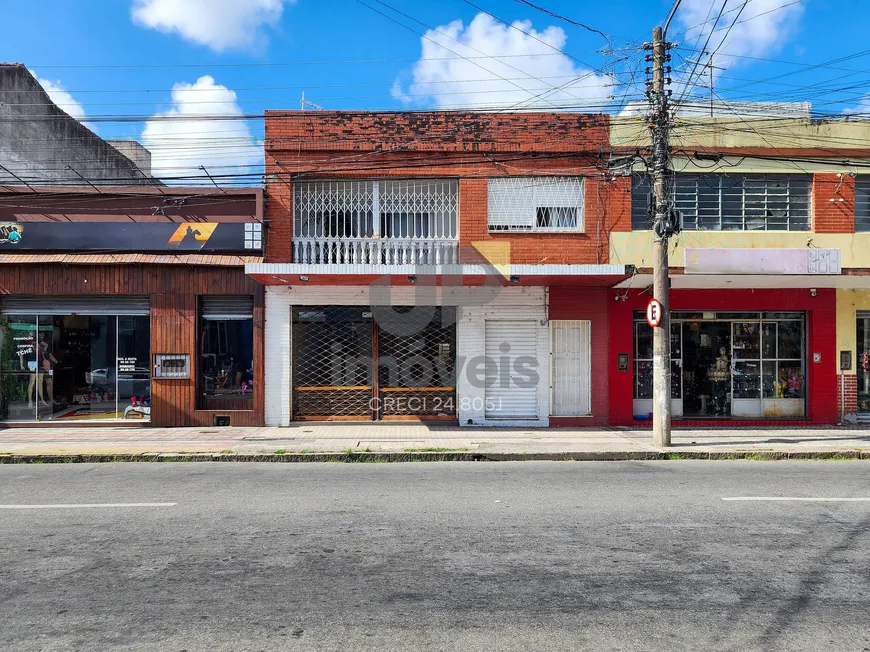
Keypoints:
pixel 570 368
pixel 706 386
pixel 75 359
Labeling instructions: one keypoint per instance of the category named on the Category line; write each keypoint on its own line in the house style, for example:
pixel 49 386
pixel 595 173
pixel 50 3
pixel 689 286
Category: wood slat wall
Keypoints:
pixel 173 290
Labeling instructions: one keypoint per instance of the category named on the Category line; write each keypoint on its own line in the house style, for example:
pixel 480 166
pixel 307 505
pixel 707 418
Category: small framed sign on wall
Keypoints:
pixel 171 365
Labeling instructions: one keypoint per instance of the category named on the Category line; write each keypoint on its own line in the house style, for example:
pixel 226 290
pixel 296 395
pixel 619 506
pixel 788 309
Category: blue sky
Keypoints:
pixel 117 58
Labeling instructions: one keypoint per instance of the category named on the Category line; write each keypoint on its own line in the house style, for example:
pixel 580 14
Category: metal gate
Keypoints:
pixel 348 365
pixel 416 357
pixel 332 362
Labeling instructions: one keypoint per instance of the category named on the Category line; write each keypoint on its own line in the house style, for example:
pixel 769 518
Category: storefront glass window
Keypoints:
pixel 730 364
pixel 75 367
pixel 643 365
pixel 226 363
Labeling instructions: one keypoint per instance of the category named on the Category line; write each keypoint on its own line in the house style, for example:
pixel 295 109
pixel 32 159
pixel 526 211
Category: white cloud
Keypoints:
pixel 62 98
pixel 190 134
pixel 514 81
pixel 218 24
pixel 761 28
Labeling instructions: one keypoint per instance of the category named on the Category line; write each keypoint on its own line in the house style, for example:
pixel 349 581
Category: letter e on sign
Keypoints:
pixel 653 313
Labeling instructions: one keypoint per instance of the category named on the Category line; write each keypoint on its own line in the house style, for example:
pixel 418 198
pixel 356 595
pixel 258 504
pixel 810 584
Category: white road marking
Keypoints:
pixel 87 505
pixel 804 499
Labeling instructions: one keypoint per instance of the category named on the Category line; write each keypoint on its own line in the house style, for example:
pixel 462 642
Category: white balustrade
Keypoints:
pixel 376 251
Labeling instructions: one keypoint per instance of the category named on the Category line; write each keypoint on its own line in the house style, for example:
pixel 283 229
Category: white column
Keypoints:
pixel 277 363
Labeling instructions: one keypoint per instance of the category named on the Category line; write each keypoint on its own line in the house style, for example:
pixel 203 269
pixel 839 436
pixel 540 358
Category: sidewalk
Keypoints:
pixel 421 440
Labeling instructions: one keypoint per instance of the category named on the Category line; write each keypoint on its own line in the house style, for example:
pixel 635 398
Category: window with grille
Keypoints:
pixel 641 202
pixel 862 204
pixel 426 208
pixel 535 204
pixel 733 202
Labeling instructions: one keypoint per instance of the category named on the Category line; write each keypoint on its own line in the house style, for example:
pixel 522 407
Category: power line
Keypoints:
pixel 553 14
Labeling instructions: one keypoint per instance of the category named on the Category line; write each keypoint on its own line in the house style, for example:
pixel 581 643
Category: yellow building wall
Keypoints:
pixel 734 131
pixel 636 247
pixel 849 302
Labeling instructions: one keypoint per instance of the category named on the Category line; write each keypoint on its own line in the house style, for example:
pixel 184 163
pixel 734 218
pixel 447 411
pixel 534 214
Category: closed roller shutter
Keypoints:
pixel 101 305
pixel 572 368
pixel 509 393
pixel 225 308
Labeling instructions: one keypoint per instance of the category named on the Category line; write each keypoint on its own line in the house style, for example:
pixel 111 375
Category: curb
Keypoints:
pixel 463 456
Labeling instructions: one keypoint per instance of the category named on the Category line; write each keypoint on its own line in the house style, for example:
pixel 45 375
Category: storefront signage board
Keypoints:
pixel 111 237
pixel 762 261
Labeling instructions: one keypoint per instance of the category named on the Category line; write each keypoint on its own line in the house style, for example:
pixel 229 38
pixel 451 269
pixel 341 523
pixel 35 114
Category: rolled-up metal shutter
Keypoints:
pixel 73 305
pixel 509 395
pixel 224 308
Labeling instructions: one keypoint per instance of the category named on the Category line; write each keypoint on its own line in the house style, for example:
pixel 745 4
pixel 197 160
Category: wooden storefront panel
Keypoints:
pixel 173 292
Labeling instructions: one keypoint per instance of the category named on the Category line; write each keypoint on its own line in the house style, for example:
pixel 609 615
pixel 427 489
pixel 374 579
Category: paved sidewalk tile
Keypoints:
pixel 333 437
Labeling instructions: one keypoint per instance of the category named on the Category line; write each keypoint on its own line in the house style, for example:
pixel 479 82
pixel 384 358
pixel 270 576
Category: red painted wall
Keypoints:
pixel 821 338
pixel 591 304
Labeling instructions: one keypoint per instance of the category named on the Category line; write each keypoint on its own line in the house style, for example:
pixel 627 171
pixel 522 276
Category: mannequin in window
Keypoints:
pixel 44 362
pixel 720 375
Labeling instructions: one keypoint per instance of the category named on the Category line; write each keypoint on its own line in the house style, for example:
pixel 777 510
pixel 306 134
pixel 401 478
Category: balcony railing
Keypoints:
pixel 376 251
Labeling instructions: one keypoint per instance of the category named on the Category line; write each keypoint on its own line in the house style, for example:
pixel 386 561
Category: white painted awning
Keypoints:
pixel 311 269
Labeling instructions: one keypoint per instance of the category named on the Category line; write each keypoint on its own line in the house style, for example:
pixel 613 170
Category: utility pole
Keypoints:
pixel 663 228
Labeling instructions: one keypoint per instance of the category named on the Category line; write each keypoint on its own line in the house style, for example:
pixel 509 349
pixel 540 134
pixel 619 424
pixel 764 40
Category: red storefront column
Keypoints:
pixel 587 304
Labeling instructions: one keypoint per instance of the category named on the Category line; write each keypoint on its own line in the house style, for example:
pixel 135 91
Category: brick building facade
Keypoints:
pixel 494 223
pixel 524 242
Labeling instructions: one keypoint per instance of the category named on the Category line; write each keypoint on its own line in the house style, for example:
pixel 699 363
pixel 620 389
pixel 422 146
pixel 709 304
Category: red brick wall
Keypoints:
pixel 590 246
pixel 849 388
pixel 468 146
pixel 436 131
pixel 619 196
pixel 833 203
pixel 588 304
pixel 278 213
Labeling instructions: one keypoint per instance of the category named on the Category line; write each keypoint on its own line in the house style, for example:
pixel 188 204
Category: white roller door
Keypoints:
pixel 571 366
pixel 511 394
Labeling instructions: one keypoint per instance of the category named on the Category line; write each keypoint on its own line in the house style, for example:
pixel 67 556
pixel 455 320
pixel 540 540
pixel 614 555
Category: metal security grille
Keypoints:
pixel 376 222
pixel 535 204
pixel 72 305
pixel 416 362
pixel 227 308
pixel 332 362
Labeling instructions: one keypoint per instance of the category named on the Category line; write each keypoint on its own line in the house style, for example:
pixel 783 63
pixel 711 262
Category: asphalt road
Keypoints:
pixel 441 556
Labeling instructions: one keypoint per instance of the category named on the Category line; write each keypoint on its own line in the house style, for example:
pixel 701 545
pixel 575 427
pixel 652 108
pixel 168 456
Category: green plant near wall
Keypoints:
pixel 7 384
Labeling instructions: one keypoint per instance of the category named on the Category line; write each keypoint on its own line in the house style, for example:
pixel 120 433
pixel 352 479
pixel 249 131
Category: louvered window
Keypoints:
pixel 862 205
pixel 535 204
pixel 733 202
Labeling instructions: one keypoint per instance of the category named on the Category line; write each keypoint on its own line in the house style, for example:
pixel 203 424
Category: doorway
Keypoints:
pixel 362 363
pixel 706 369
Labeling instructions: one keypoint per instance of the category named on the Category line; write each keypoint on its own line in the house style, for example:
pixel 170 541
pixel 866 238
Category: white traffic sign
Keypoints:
pixel 653 313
